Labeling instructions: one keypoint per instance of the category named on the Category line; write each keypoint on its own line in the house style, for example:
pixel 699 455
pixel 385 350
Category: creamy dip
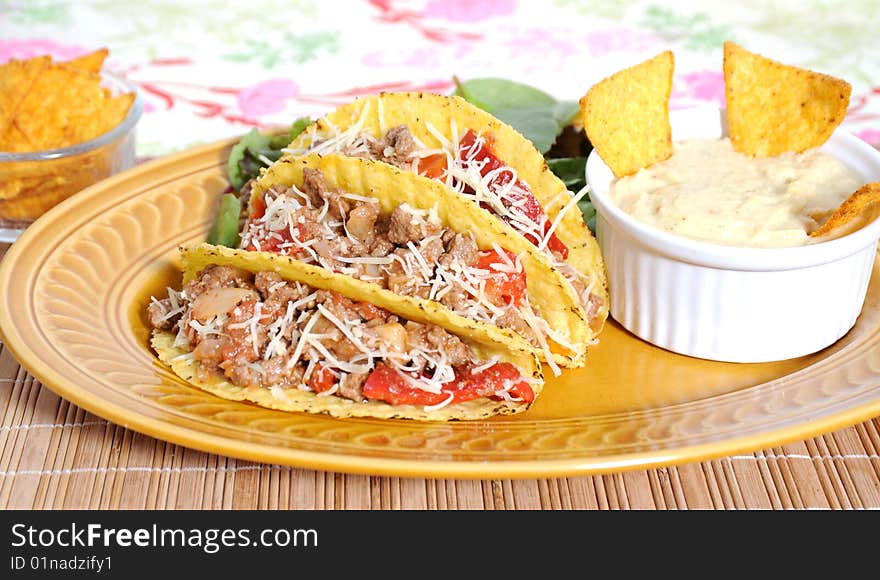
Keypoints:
pixel 709 192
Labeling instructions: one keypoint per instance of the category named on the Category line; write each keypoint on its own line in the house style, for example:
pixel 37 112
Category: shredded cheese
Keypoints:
pixel 343 328
pixel 488 364
pixel 301 342
pixel 440 405
pixel 558 219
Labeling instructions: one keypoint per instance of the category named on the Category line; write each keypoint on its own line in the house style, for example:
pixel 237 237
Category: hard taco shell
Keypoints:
pixel 196 257
pixel 376 114
pixel 549 293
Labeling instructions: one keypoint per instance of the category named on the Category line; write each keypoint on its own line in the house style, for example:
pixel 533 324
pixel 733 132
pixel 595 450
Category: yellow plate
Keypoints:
pixel 76 284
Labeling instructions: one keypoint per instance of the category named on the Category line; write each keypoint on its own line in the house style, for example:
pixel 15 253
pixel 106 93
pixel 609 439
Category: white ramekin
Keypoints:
pixel 732 303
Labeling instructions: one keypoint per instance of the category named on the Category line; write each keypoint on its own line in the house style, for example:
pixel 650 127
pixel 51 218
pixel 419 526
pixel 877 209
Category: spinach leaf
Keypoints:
pixel 531 111
pixel 565 111
pixel 224 230
pixel 570 170
pixel 244 158
pixel 537 124
pixel 495 93
pixel 296 128
pixel 588 210
pixel 257 150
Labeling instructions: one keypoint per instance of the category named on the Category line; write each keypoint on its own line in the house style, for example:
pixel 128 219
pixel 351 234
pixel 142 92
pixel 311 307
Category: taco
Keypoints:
pixel 286 335
pixel 483 160
pixel 410 235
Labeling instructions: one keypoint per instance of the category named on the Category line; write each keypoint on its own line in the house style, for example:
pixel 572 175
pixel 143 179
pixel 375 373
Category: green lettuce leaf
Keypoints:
pixel 529 110
pixel 257 150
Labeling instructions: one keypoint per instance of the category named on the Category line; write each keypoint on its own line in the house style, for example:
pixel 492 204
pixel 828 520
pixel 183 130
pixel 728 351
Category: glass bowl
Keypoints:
pixel 32 183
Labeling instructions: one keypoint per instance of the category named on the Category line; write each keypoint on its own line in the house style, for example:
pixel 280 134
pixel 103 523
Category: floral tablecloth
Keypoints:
pixel 210 69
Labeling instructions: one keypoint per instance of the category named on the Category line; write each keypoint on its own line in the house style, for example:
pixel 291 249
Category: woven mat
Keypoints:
pixel 55 455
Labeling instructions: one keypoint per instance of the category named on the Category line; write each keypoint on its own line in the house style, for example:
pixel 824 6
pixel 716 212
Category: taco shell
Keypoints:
pixel 549 293
pixel 195 258
pixel 378 113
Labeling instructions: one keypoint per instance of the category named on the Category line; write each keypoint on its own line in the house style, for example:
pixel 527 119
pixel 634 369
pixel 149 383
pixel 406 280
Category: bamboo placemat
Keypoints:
pixel 54 455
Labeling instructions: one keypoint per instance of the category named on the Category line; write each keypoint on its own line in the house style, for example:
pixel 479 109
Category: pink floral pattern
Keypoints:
pixel 705 86
pixel 468 10
pixel 620 39
pixel 266 97
pixel 29 48
pixel 870 136
pixel 194 91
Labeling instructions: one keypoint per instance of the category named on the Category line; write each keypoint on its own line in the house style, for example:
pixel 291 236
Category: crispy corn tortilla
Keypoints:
pixel 378 113
pixel 92 62
pixel 626 116
pixel 293 399
pixel 773 108
pixel 16 79
pixel 195 258
pixel 59 99
pixel 856 211
pixel 50 105
pixel 549 293
pixel 56 104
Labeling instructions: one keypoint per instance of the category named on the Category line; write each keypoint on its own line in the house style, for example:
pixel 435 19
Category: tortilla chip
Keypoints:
pixel 114 111
pixel 56 105
pixel 626 116
pixel 22 190
pixel 14 141
pixel 63 107
pixel 16 79
pixel 448 118
pixel 196 257
pixel 29 188
pixel 92 62
pixel 51 192
pixel 856 211
pixel 773 108
pixel 46 105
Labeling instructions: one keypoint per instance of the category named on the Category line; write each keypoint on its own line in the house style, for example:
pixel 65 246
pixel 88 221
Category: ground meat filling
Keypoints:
pixel 396 147
pixel 400 148
pixel 407 251
pixel 260 331
pixel 319 193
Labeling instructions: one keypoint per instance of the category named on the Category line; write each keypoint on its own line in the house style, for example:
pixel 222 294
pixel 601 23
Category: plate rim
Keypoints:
pixel 344 462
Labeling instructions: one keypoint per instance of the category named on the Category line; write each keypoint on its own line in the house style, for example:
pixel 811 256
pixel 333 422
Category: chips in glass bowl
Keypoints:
pixel 63 127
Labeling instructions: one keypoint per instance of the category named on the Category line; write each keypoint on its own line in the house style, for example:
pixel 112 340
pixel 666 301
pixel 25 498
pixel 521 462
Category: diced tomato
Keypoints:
pixel 530 207
pixel 432 166
pixel 366 310
pixel 267 243
pixel 487 382
pixel 470 149
pixel 389 385
pixel 258 207
pixel 322 379
pixel 503 287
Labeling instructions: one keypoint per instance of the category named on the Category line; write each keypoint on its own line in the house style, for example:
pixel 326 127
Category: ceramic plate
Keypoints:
pixel 77 282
